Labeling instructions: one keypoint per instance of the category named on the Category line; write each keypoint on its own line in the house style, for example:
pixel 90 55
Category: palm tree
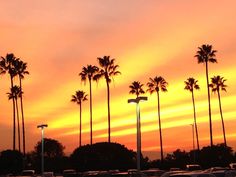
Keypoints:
pixel 217 84
pixel 7 66
pixel 15 94
pixel 108 69
pixel 191 84
pixel 136 88
pixel 155 85
pixel 88 73
pixel 20 68
pixel 78 98
pixel 206 55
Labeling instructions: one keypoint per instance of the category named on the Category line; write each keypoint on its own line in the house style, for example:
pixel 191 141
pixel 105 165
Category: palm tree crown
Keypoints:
pixel 191 84
pixel 88 72
pixel 206 54
pixel 79 97
pixel 156 84
pixel 136 88
pixel 217 84
pixel 108 69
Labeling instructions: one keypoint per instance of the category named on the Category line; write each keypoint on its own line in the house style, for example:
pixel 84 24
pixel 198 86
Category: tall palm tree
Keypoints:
pixel 191 84
pixel 158 84
pixel 21 71
pixel 217 84
pixel 206 54
pixel 7 65
pixel 78 98
pixel 108 69
pixel 136 88
pixel 15 94
pixel 89 73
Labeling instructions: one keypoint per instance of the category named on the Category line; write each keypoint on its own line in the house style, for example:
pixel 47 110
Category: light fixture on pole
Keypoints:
pixel 136 101
pixel 42 126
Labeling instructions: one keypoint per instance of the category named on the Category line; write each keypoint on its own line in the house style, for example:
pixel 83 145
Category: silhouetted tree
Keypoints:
pixel 107 69
pixel 136 88
pixel 155 85
pixel 53 154
pixel 15 94
pixel 89 73
pixel 217 84
pixel 21 71
pixel 78 98
pixel 206 55
pixel 7 66
pixel 216 155
pixel 103 156
pixel 191 84
pixel 178 159
pixel 11 161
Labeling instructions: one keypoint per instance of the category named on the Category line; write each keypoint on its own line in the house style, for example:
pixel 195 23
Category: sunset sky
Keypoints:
pixel 147 38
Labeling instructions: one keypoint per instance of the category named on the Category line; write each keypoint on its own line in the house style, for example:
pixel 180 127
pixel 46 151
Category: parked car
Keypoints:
pixel 28 173
pixel 193 174
pixel 224 173
pixel 153 172
pixel 168 173
pixel 232 165
pixel 193 167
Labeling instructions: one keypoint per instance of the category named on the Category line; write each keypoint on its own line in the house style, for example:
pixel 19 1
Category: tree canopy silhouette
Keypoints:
pixel 103 156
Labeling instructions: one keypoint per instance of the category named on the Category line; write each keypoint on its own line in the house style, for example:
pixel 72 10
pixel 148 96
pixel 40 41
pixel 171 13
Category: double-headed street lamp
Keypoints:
pixel 42 126
pixel 136 101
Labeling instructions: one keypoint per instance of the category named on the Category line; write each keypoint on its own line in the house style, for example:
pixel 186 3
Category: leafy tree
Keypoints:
pixel 11 161
pixel 206 55
pixel 216 155
pixel 103 156
pixel 191 84
pixel 89 73
pixel 158 84
pixel 108 69
pixel 78 98
pixel 53 154
pixel 217 84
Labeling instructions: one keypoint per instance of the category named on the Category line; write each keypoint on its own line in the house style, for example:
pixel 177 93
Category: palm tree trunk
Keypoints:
pixel 209 105
pixel 22 116
pixel 14 118
pixel 108 109
pixel 80 121
pixel 195 121
pixel 159 120
pixel 222 120
pixel 91 114
pixel 18 125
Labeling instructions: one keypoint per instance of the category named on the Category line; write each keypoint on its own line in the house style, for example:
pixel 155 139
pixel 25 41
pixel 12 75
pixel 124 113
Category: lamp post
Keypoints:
pixel 42 126
pixel 136 101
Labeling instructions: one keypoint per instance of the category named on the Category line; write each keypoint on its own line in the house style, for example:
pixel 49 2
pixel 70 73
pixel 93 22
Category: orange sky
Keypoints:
pixel 147 38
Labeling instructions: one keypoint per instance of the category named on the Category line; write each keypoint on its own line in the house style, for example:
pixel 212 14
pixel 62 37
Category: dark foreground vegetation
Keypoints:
pixel 108 156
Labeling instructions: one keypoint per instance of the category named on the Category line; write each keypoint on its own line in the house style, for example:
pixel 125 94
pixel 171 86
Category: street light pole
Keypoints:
pixel 136 101
pixel 42 126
